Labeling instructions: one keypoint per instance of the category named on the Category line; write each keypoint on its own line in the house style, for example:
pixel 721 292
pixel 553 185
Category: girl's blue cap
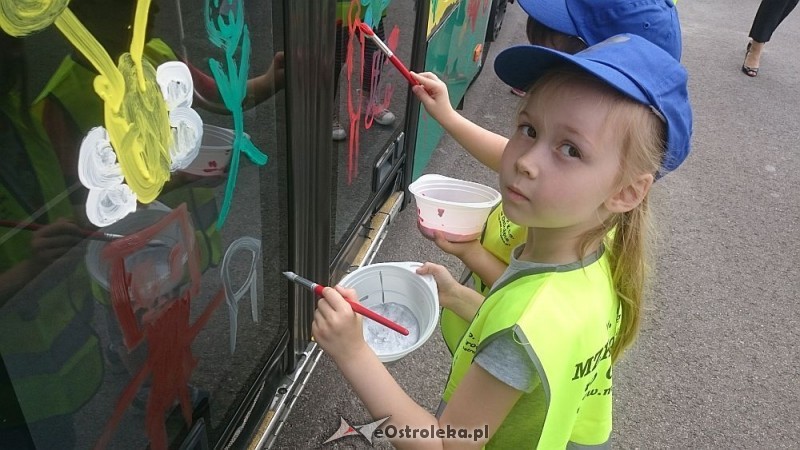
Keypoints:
pixel 628 63
pixel 596 20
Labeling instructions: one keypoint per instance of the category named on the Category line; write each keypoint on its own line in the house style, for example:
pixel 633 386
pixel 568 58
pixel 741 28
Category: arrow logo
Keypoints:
pixel 366 430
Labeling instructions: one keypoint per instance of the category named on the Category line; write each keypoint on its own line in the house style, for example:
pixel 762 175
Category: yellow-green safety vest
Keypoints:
pixel 47 343
pixel 500 236
pixel 567 318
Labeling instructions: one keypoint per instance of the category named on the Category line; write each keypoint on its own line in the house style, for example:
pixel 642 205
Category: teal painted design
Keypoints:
pixel 450 57
pixel 230 33
pixel 375 9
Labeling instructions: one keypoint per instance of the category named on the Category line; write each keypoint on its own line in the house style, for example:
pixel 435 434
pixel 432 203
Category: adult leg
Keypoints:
pixel 769 15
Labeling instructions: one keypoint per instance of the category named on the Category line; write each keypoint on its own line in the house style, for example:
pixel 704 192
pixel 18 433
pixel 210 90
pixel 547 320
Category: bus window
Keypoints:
pixel 143 181
pixel 369 104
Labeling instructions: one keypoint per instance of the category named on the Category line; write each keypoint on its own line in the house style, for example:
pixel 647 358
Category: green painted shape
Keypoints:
pixel 449 56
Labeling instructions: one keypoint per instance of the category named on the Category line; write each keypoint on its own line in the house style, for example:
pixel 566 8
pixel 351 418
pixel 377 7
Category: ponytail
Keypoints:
pixel 627 238
pixel 630 270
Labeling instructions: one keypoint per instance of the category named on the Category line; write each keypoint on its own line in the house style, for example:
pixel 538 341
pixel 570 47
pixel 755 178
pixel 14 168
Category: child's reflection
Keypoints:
pixel 371 66
pixel 50 358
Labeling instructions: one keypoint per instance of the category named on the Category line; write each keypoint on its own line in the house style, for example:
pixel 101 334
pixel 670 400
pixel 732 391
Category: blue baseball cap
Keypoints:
pixel 628 63
pixel 597 20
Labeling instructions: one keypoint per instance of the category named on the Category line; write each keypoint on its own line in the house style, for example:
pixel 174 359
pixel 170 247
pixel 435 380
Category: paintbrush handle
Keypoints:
pixel 358 308
pixel 370 34
pixel 403 70
pixel 88 234
pixel 33 226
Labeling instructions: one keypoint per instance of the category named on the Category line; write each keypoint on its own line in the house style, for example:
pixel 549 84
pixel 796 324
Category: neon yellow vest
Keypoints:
pixel 567 319
pixel 47 343
pixel 71 85
pixel 500 237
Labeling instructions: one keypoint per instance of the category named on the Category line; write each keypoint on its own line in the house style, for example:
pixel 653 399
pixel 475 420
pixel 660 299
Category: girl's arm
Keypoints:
pixel 477 259
pixel 484 145
pixel 480 400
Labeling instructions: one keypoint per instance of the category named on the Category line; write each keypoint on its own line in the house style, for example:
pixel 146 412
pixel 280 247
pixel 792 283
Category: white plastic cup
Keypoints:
pixel 156 257
pixel 215 152
pixel 457 208
pixel 401 284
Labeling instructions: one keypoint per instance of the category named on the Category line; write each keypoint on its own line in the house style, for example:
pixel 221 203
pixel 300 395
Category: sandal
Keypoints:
pixel 749 71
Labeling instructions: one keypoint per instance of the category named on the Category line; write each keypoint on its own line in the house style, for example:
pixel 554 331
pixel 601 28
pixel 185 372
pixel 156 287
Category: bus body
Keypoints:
pixel 162 163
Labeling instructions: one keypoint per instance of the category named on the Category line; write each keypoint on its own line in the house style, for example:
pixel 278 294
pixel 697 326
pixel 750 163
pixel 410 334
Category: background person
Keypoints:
pixel 770 14
pixel 381 115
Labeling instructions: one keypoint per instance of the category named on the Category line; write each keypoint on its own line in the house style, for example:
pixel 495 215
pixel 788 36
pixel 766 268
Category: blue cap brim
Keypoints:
pixel 521 66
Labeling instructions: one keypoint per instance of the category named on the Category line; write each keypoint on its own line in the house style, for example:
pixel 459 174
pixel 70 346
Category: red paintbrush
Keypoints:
pixel 357 307
pixel 389 54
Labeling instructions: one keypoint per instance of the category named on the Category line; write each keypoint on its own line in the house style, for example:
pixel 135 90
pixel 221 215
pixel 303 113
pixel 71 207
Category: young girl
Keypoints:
pixel 594 132
pixel 565 26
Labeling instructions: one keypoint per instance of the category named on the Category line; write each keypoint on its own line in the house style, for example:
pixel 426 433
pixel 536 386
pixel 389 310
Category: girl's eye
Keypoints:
pixel 527 130
pixel 569 151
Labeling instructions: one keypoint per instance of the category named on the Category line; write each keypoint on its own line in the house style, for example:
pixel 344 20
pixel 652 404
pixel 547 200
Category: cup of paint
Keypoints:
pixel 457 208
pixel 395 291
pixel 215 152
pixel 154 261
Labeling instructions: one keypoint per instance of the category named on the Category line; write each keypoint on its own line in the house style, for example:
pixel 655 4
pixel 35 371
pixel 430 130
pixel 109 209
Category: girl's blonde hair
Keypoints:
pixel 627 236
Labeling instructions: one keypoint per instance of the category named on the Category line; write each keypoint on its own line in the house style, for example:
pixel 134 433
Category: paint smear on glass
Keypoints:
pixel 227 30
pixel 250 286
pixel 143 281
pixel 374 11
pixel 138 127
pixel 380 100
pixel 377 100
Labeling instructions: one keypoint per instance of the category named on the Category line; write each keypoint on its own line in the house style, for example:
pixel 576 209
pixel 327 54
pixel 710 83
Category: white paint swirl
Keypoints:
pixel 176 84
pixel 97 163
pixel 187 134
pixel 106 206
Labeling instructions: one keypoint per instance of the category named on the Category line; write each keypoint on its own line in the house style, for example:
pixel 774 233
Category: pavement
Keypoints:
pixel 716 364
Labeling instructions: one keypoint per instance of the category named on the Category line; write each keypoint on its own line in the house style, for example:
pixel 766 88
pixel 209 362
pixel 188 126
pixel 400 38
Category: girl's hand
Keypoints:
pixel 432 92
pixel 457 249
pixel 336 327
pixel 449 289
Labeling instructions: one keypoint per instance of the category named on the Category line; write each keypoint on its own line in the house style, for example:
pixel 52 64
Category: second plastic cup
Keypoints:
pixel 457 208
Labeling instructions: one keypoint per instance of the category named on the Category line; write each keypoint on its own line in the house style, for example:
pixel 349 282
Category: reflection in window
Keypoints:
pixel 121 335
pixel 369 102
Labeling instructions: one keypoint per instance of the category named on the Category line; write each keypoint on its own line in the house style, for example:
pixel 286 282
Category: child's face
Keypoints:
pixel 563 160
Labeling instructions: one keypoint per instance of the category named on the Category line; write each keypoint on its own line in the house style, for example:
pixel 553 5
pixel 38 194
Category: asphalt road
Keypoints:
pixel 716 365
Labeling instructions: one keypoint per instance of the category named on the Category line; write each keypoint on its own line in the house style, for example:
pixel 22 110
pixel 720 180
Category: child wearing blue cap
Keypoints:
pixel 562 22
pixel 573 25
pixel 566 25
pixel 534 369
